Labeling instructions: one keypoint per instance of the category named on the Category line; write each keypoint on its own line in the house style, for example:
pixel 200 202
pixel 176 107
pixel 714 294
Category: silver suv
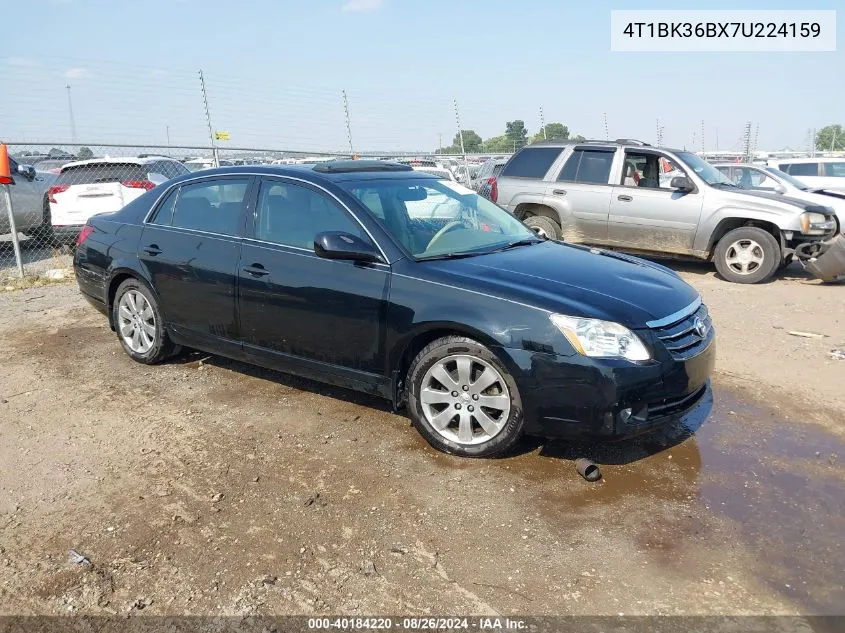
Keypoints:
pixel 630 196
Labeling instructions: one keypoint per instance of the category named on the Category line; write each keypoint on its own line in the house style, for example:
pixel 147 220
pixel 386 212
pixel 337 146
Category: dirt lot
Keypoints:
pixel 213 487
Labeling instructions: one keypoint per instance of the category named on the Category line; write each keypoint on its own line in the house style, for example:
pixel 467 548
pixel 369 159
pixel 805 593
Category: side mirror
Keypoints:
pixel 779 189
pixel 681 183
pixel 339 245
pixel 27 171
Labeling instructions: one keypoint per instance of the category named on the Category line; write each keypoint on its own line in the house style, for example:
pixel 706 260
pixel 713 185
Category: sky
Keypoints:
pixel 276 72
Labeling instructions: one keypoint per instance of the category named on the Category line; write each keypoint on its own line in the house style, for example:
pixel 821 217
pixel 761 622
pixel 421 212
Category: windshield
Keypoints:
pixel 437 218
pixel 782 175
pixel 704 170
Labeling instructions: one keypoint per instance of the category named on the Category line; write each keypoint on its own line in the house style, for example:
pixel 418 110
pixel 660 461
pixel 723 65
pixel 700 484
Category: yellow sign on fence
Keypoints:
pixel 221 136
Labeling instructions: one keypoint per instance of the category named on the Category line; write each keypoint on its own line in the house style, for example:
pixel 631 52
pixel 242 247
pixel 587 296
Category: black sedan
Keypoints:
pixel 374 277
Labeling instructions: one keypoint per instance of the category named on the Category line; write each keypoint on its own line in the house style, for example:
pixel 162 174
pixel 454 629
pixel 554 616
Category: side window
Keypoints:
pixel 802 169
pixel 531 162
pixel 164 213
pixel 836 170
pixel 588 166
pixel 213 206
pixel 292 215
pixel 497 169
pixel 759 180
pixel 649 171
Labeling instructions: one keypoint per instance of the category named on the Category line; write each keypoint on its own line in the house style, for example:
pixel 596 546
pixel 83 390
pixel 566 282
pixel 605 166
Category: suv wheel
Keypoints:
pixel 137 320
pixel 747 255
pixel 463 400
pixel 543 226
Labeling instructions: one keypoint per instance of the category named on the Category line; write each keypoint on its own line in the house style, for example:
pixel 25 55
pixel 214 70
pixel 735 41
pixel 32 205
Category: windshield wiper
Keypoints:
pixel 515 244
pixel 431 258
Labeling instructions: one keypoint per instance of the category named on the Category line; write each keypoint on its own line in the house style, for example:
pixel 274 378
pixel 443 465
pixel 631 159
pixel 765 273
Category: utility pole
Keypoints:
pixel 440 141
pixel 167 129
pixel 747 142
pixel 833 140
pixel 208 120
pixel 606 132
pixel 659 134
pixel 703 148
pixel 70 114
pixel 463 151
pixel 756 137
pixel 813 142
pixel 348 126
pixel 543 124
pixel 717 139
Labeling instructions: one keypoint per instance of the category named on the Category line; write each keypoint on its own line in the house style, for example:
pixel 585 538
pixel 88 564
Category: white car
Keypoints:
pixel 772 180
pixel 101 185
pixel 818 173
pixel 440 172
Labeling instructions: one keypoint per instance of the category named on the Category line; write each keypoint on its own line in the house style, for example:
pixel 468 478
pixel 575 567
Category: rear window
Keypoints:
pixel 532 162
pixel 101 172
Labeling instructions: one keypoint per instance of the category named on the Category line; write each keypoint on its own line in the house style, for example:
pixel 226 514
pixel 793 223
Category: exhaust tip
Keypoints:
pixel 588 469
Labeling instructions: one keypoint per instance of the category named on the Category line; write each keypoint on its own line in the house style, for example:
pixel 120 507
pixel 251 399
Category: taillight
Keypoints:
pixel 52 191
pixel 494 189
pixel 138 184
pixel 83 234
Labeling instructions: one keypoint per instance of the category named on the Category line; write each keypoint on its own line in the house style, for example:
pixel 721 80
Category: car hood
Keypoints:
pixel 572 280
pixel 771 200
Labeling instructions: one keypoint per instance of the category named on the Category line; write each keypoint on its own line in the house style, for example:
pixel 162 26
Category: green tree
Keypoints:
pixel 472 141
pixel 554 131
pixel 578 138
pixel 516 133
pixel 84 153
pixel 831 138
pixel 498 145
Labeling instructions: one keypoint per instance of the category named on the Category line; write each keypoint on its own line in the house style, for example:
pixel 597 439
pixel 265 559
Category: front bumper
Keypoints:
pixel 576 396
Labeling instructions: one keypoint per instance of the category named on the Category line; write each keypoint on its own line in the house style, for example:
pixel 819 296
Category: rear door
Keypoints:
pixel 190 249
pixel 647 214
pixel 583 185
pixel 304 313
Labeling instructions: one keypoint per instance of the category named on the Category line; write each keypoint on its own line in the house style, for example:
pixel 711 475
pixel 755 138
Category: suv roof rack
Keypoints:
pixel 631 141
pixel 349 166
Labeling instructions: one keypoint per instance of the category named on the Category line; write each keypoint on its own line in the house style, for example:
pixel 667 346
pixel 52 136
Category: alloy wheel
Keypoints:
pixel 744 256
pixel 137 323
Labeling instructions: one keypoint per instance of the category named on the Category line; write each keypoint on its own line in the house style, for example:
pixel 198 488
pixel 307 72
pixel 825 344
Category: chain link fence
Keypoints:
pixel 58 186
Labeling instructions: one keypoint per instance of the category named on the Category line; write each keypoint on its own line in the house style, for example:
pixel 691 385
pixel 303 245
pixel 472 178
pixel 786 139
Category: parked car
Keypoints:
pixel 821 172
pixel 467 179
pixel 101 185
pixel 482 328
pixel 27 193
pixel 440 172
pixel 610 194
pixel 772 180
pixel 485 180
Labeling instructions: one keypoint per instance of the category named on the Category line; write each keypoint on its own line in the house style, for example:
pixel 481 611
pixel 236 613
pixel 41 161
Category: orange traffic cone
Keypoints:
pixel 5 172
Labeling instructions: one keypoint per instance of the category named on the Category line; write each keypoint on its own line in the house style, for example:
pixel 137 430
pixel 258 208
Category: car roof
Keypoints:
pixel 809 159
pixel 333 171
pixel 117 159
pixel 620 142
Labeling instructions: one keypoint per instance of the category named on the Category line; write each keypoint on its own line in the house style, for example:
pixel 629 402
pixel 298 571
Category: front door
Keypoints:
pixel 646 213
pixel 190 249
pixel 304 313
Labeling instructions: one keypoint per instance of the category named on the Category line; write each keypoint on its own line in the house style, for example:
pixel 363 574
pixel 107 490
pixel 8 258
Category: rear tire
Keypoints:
pixel 543 226
pixel 463 400
pixel 139 325
pixel 747 255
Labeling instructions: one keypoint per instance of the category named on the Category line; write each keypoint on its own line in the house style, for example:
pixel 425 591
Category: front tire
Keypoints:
pixel 463 400
pixel 139 325
pixel 747 255
pixel 543 226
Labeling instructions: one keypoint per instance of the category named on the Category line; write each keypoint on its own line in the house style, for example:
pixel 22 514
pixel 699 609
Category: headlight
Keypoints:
pixel 815 223
pixel 600 339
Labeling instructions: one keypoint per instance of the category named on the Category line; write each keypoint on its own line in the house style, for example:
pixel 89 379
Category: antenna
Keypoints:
pixel 703 148
pixel 208 120
pixel 348 127
pixel 606 132
pixel 746 141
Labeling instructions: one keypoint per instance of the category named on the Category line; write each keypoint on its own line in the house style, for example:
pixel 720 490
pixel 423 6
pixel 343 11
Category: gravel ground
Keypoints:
pixel 206 486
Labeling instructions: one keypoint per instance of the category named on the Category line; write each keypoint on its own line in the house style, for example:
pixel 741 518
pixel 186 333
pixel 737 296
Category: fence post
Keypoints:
pixel 13 229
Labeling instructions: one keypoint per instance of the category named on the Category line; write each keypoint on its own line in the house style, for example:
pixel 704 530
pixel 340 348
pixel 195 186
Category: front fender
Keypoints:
pixel 706 229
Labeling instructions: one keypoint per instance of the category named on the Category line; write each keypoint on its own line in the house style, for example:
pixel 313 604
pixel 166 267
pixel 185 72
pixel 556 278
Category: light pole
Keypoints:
pixel 70 114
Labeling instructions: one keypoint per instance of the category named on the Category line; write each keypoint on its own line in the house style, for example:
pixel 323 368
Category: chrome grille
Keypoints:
pixel 681 339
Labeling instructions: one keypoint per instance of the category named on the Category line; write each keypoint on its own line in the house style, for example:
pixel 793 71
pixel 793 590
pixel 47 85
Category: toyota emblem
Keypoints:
pixel 700 327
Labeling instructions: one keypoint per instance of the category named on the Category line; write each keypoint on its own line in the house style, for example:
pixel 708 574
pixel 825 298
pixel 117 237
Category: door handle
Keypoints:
pixel 256 270
pixel 624 198
pixel 559 192
pixel 152 249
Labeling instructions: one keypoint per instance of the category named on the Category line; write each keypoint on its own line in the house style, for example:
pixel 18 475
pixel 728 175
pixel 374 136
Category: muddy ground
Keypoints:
pixel 216 488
